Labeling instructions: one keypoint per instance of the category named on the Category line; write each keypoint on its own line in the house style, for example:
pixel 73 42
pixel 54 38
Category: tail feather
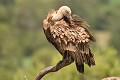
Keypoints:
pixel 80 67
pixel 82 55
pixel 85 56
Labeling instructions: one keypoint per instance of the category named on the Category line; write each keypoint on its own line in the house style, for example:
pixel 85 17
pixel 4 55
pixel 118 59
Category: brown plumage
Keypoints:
pixel 70 36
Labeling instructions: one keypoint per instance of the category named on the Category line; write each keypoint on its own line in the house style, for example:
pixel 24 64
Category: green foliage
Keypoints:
pixel 24 50
pixel 115 29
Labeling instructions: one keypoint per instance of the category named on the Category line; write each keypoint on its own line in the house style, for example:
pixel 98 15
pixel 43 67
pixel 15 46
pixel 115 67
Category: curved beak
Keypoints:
pixel 67 14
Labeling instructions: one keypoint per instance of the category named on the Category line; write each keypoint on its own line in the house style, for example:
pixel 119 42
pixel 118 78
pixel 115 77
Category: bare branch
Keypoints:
pixel 49 69
pixel 43 72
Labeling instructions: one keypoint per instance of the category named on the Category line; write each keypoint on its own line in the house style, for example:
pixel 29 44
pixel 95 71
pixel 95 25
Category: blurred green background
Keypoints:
pixel 24 50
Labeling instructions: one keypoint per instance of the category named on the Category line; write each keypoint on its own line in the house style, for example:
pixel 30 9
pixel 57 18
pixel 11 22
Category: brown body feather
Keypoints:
pixel 70 39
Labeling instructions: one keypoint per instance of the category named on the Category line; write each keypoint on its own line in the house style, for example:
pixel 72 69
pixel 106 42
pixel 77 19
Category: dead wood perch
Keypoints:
pixel 49 69
pixel 44 72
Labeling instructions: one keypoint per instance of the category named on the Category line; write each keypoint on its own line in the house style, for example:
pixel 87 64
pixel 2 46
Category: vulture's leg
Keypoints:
pixel 64 62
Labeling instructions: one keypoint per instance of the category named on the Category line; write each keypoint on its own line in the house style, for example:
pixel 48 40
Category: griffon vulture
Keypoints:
pixel 70 36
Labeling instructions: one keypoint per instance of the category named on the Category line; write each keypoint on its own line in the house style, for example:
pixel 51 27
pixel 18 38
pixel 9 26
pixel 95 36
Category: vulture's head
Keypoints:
pixel 63 11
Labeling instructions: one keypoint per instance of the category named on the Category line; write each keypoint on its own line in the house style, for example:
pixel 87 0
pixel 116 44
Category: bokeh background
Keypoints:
pixel 24 50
